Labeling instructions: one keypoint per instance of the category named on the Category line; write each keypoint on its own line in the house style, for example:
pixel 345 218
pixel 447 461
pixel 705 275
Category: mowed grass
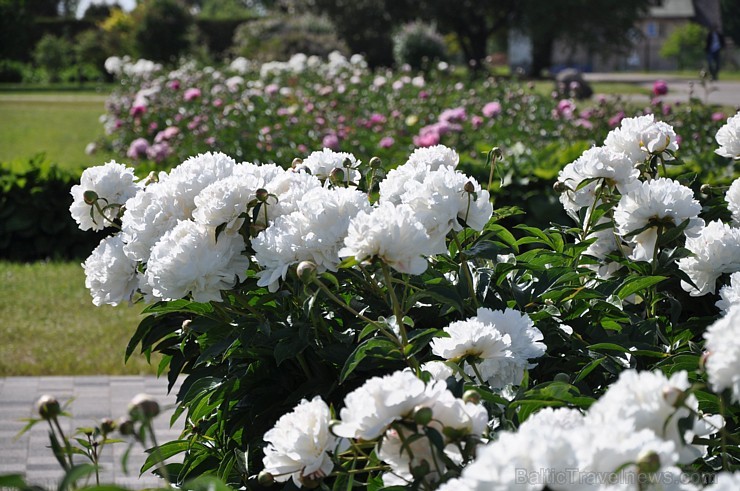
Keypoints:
pixel 57 124
pixel 49 326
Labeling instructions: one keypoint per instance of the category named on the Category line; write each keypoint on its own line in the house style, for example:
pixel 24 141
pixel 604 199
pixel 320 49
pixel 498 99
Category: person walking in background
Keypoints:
pixel 715 43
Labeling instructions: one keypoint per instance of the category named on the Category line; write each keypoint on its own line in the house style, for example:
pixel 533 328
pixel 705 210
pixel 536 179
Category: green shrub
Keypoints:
pixel 32 224
pixel 280 37
pixel 418 45
pixel 53 54
pixel 11 71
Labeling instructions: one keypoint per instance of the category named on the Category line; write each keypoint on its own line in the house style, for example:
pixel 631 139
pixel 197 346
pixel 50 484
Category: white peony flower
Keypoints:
pixel 723 347
pixel 300 442
pixel 391 233
pixel 640 137
pixel 110 276
pixel 502 341
pixel 729 295
pixel 605 167
pixel 113 183
pixel 321 163
pixel 222 202
pixel 728 137
pixel 371 408
pixel 725 481
pixel 188 260
pixel 646 399
pixel 733 198
pixel 439 370
pixel 716 250
pixel 434 157
pixel 314 233
pixel 287 188
pixel 654 203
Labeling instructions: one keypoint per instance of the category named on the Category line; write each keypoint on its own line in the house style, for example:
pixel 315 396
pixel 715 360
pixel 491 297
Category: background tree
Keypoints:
pixel 599 25
pixel 15 22
pixel 731 19
pixel 686 45
pixel 161 29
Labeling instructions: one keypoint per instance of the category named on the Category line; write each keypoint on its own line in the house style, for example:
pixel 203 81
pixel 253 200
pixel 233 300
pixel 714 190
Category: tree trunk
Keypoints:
pixel 541 54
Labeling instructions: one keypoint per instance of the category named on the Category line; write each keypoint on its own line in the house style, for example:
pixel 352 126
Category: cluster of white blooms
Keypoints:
pixel 141 68
pixel 729 295
pixel 716 251
pixel 496 345
pixel 651 204
pixel 182 233
pixel 631 431
pixel 728 137
pixel 723 352
pixel 640 137
pixel 733 200
pixel 110 184
pixel 301 443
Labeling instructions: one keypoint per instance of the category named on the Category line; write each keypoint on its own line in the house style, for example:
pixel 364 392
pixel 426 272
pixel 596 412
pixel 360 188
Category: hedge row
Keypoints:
pixel 34 214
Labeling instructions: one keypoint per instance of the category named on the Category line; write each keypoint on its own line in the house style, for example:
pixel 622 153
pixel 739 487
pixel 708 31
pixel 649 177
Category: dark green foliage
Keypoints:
pixel 217 35
pixel 53 54
pixel 419 45
pixel 34 214
pixel 11 71
pixel 161 31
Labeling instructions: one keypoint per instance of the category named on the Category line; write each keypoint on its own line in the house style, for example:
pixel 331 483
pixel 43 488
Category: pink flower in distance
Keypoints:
pixel 331 141
pixel 192 94
pixel 386 142
pixel 660 87
pixel 492 109
pixel 718 116
pixel 138 148
pixel 174 84
pixel 137 110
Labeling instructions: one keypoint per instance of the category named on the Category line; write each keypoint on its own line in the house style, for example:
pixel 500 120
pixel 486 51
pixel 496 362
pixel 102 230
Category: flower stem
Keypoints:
pixel 395 304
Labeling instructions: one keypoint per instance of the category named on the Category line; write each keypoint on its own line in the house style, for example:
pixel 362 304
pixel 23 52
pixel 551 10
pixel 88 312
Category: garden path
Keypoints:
pixel 93 398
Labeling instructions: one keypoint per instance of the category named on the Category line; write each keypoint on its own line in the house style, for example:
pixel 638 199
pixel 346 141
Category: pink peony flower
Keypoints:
pixel 137 110
pixel 272 89
pixel 386 142
pixel 660 87
pixel 192 94
pixel 376 118
pixel 453 115
pixel 331 141
pixel 138 149
pixel 492 109
pixel 476 121
pixel 616 119
pixel 167 134
pixel 174 84
pixel 718 116
pixel 159 151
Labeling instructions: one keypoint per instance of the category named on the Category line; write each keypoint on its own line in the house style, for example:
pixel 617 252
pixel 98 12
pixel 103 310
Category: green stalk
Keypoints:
pixel 397 311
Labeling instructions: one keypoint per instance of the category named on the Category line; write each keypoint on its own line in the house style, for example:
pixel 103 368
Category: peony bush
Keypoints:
pixel 341 323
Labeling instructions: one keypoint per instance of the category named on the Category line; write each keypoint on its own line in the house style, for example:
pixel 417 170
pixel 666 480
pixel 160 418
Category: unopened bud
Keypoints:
pixel 90 197
pixel 648 462
pixel 306 271
pixel 296 163
pixel 48 407
pixel 347 164
pixel 674 396
pixel 705 189
pixel 143 407
pixel 375 163
pixel 336 176
pixel 311 482
pixel 262 195
pixel 423 416
pixel 497 153
pixel 472 396
pixel 126 427
pixel 421 470
pixel 265 479
pixel 559 187
pixel 186 324
pixel 107 425
pixel 469 187
pixel 562 377
pixel 152 177
pixel 703 360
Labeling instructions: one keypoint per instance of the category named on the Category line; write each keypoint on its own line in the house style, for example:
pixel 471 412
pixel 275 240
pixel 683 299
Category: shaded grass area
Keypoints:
pixel 49 326
pixel 59 125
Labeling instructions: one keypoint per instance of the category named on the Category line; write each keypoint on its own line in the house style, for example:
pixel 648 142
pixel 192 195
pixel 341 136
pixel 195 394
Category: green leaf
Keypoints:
pixel 636 284
pixel 12 481
pixel 366 349
pixel 583 373
pixel 75 474
pixel 166 450
pixel 206 483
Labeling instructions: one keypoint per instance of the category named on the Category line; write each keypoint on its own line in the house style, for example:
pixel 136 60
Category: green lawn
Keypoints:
pixel 49 326
pixel 58 124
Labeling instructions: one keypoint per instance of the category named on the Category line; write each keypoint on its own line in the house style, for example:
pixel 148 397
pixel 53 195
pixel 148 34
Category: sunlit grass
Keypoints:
pixel 49 326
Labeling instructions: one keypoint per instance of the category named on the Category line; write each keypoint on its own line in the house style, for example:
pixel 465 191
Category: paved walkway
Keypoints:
pixel 94 398
pixel 722 92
